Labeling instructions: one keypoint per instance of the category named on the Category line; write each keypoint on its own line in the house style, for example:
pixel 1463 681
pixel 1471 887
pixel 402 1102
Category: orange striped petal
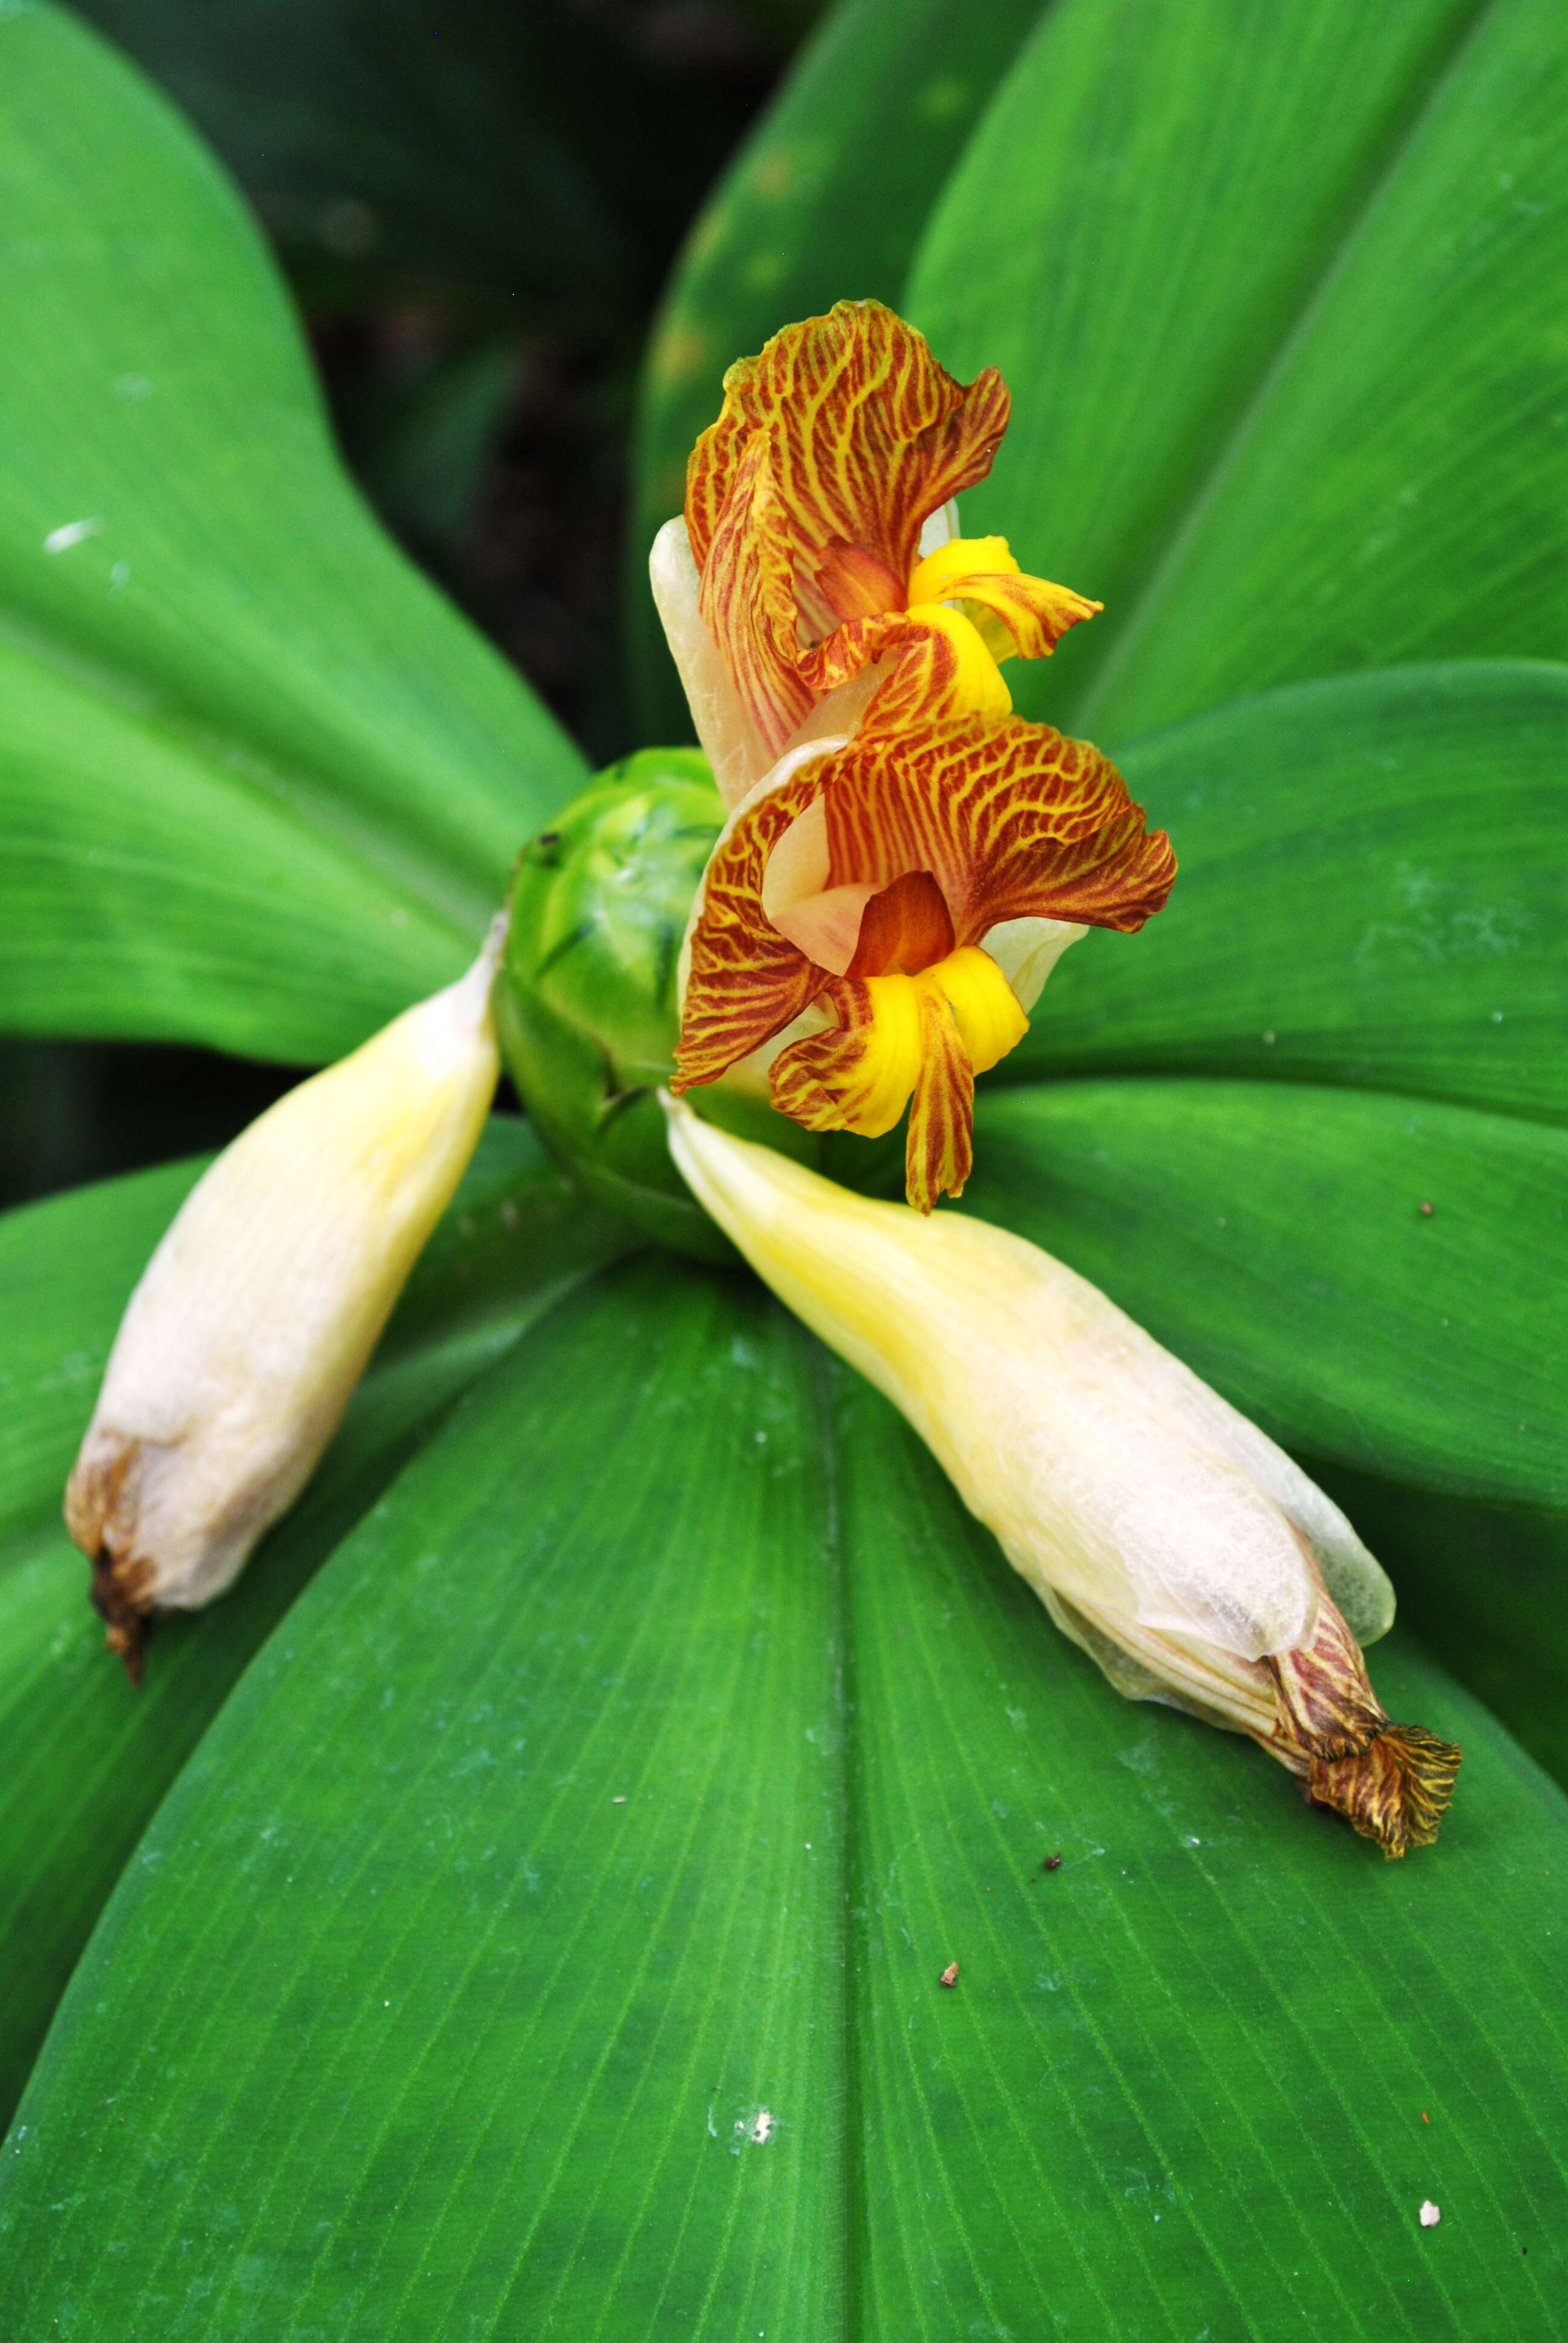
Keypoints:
pixel 1012 819
pixel 867 434
pixel 856 1075
pixel 939 1147
pixel 896 1043
pixel 941 666
pixel 746 981
pixel 904 927
pixel 746 598
pixel 1033 612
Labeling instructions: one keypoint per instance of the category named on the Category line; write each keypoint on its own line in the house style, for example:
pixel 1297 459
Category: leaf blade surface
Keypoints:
pixel 194 600
pixel 83 1759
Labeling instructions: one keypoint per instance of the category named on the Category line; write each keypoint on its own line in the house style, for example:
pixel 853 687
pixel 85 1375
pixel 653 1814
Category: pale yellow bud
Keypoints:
pixel 254 1318
pixel 1168 1535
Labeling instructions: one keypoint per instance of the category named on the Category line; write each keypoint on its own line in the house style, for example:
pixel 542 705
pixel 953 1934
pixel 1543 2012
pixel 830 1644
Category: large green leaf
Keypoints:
pixel 1181 2085
pixel 83 1758
pixel 258 784
pixel 547 1937
pixel 1373 889
pixel 1275 1236
pixel 826 200
pixel 1279 293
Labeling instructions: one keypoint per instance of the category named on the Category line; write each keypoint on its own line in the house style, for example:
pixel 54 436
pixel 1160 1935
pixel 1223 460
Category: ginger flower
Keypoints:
pixel 892 905
pixel 818 542
pixel 1192 1561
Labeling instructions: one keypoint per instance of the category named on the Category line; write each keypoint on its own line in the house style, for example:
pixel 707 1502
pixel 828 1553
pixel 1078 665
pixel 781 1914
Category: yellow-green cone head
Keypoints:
pixel 586 1003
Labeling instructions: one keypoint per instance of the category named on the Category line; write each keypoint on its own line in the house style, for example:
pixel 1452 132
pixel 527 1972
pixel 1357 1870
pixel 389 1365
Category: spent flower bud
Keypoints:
pixel 252 1323
pixel 1184 1552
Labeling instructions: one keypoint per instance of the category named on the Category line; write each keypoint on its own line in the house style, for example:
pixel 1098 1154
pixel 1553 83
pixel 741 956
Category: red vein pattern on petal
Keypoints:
pixel 839 1081
pixel 867 435
pixel 746 981
pixel 1012 820
pixel 1035 613
pixel 927 656
pixel 939 1147
pixel 746 599
pixel 818 1082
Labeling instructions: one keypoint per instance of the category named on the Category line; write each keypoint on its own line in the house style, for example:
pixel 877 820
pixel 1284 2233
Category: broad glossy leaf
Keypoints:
pixel 1179 2084
pixel 1278 291
pixel 402 2021
pixel 83 1759
pixel 1273 1235
pixel 825 202
pixel 557 1914
pixel 1373 891
pixel 258 784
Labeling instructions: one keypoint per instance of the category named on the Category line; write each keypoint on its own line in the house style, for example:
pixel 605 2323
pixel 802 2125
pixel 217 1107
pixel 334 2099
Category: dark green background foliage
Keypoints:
pixel 517 1909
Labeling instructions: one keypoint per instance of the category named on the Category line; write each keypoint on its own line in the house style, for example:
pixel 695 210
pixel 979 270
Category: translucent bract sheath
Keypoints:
pixel 1167 1536
pixel 242 1344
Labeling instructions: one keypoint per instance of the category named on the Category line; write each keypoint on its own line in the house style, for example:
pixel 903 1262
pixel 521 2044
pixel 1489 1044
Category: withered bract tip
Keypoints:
pixel 114 1597
pixel 1397 1790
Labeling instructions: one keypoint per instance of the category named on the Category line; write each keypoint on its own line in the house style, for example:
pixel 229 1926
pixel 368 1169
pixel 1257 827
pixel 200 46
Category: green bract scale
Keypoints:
pixel 587 1000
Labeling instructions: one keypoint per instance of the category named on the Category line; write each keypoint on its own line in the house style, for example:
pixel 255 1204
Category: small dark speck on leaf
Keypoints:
pixel 1052 1863
pixel 1425 1208
pixel 950 1975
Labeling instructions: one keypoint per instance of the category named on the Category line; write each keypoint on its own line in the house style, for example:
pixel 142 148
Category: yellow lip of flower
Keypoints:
pixel 802 568
pixel 902 1040
pixel 1166 1534
pixel 914 886
pixel 243 1341
pixel 974 684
